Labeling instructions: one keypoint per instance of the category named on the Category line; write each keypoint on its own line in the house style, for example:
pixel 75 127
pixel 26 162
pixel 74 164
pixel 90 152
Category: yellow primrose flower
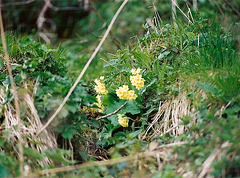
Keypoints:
pixel 122 92
pixel 100 87
pixel 123 121
pixel 131 95
pixel 136 71
pixel 99 99
pixel 137 81
pixel 99 104
pixel 126 94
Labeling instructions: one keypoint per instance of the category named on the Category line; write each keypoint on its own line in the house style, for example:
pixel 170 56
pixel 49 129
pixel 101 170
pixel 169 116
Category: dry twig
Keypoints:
pixel 232 8
pixel 40 21
pixel 174 3
pixel 16 3
pixel 110 114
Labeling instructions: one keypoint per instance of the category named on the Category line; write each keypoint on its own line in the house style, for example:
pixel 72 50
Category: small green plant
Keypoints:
pixel 120 104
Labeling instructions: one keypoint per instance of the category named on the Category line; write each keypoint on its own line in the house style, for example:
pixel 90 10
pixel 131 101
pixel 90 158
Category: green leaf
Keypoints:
pixel 2 141
pixel 136 133
pixel 14 49
pixel 143 58
pixel 114 120
pixel 149 111
pixel 8 98
pixel 108 99
pixel 58 155
pixel 68 132
pixel 7 133
pixel 164 54
pixel 4 172
pixel 131 107
pixel 83 155
pixel 209 88
pixel 32 153
pixel 114 106
pixel 72 107
pixel 94 123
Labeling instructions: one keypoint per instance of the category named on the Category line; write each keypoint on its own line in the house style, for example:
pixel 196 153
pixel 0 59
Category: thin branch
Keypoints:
pixel 169 130
pixel 233 9
pixel 44 37
pixel 15 94
pixel 41 18
pixel 114 112
pixel 174 14
pixel 16 3
pixel 195 5
pixel 85 67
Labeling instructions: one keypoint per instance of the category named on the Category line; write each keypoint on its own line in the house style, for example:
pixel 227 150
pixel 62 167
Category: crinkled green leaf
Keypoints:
pixel 32 153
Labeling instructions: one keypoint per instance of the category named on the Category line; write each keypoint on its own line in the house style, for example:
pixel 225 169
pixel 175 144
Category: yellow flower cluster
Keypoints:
pixel 99 104
pixel 123 121
pixel 136 79
pixel 126 94
pixel 135 72
pixel 100 86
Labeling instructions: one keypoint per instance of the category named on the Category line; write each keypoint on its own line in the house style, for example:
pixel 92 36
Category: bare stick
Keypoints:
pixel 195 5
pixel 17 3
pixel 174 14
pixel 41 18
pixel 169 130
pixel 15 94
pixel 40 21
pixel 233 9
pixel 110 114
pixel 85 67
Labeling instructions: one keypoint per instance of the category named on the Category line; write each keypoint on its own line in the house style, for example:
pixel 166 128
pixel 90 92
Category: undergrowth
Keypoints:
pixel 171 99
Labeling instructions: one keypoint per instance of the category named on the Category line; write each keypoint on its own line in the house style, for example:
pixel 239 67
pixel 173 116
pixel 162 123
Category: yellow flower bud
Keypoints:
pixel 137 81
pixel 125 94
pixel 123 121
pixel 100 87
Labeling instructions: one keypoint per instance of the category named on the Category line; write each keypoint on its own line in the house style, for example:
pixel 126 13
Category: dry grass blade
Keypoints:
pixel 173 1
pixel 29 127
pixel 156 118
pixel 85 67
pixel 169 115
